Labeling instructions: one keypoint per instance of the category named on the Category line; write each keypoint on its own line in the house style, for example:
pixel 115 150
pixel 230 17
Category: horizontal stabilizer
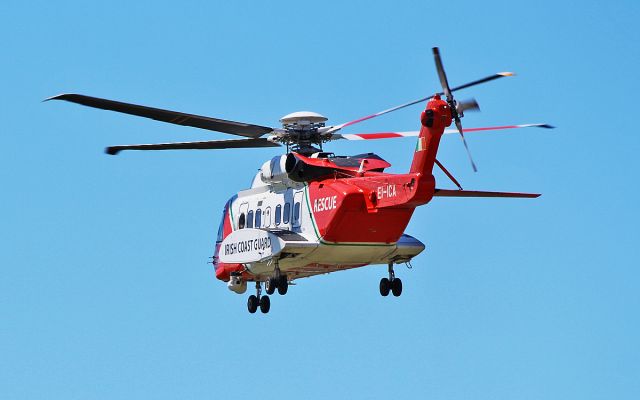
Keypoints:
pixel 476 193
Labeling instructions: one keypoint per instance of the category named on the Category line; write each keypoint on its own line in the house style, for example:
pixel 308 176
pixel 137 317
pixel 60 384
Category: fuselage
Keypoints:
pixel 328 213
pixel 351 221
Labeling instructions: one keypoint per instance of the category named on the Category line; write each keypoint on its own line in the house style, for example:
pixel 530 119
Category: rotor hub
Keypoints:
pixel 302 130
pixel 301 119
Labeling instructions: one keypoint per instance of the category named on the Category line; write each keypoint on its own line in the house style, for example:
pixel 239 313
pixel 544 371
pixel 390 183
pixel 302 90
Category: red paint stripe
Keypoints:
pixel 381 135
pixel 358 120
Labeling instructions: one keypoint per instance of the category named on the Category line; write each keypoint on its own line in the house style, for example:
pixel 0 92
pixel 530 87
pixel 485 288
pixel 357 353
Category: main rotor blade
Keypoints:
pixel 395 135
pixel 172 117
pixel 206 145
pixel 441 74
pixel 489 78
pixel 476 193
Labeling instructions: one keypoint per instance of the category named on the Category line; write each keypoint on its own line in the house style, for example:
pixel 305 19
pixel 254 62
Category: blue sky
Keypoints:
pixel 105 292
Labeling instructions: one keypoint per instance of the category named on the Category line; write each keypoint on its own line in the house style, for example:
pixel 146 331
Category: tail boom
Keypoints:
pixel 434 119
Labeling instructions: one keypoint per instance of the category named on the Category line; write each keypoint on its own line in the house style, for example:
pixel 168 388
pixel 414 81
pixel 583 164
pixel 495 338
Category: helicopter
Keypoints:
pixel 311 212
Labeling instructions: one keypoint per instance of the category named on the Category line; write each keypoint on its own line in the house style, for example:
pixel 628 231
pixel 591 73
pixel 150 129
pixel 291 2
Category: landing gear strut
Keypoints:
pixel 391 284
pixel 258 300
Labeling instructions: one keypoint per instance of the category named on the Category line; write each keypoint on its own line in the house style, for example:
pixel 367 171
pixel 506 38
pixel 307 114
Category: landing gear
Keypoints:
pixel 258 300
pixel 270 285
pixel 283 284
pixel 385 286
pixel 391 284
pixel 265 304
pixel 252 304
pixel 396 287
pixel 277 281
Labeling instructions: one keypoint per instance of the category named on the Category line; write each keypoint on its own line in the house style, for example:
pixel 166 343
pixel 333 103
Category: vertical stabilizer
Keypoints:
pixel 435 118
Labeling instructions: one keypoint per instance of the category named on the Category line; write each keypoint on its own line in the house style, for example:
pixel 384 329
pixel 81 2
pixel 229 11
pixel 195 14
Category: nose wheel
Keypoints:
pixel 391 284
pixel 258 301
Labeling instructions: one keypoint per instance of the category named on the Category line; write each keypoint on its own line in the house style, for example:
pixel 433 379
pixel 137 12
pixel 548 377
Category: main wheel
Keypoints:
pixel 396 287
pixel 270 285
pixel 265 304
pixel 283 285
pixel 252 303
pixel 385 286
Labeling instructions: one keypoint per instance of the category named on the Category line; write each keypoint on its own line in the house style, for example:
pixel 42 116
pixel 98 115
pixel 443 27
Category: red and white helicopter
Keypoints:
pixel 310 212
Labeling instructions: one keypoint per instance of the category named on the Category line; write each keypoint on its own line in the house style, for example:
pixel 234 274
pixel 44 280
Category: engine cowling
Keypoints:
pixel 299 171
pixel 274 170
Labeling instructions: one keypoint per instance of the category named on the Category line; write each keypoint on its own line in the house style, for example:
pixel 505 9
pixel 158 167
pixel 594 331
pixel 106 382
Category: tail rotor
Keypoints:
pixel 457 109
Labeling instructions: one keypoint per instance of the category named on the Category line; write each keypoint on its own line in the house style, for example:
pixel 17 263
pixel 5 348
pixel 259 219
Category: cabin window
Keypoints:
pixel 267 217
pixel 258 223
pixel 278 214
pixel 296 213
pixel 287 212
pixel 241 221
pixel 250 219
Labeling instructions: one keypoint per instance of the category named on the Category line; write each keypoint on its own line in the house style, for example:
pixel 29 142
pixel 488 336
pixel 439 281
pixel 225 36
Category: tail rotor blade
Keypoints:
pixel 484 80
pixel 467 105
pixel 441 74
pixel 457 109
pixel 466 146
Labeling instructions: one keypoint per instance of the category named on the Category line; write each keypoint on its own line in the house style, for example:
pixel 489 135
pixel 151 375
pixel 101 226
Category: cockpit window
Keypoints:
pixel 322 154
pixel 221 227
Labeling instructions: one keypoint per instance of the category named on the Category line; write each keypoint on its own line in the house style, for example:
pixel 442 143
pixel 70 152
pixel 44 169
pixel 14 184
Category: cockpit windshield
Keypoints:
pixel 221 227
pixel 322 154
